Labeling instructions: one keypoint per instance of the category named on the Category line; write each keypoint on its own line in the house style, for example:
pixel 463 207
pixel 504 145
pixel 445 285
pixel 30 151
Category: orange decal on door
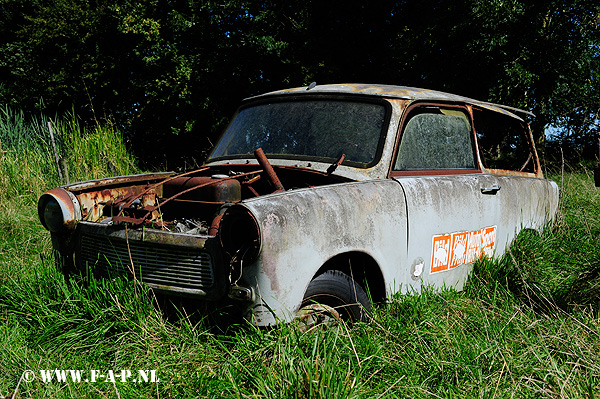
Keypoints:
pixel 460 242
pixel 474 248
pixel 488 241
pixel 452 250
pixel 441 253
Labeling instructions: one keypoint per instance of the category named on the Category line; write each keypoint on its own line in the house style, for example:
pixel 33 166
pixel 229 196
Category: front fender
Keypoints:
pixel 301 229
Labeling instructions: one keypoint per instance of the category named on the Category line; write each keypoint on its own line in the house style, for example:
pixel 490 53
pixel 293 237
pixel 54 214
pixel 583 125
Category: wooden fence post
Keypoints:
pixel 60 175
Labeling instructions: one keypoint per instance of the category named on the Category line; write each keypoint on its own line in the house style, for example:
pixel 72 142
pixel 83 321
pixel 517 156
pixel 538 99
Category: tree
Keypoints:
pixel 171 72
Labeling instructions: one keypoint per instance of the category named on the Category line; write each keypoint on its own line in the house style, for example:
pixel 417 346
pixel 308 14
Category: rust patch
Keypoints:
pixel 111 181
pixel 214 227
pixel 510 173
pixel 93 202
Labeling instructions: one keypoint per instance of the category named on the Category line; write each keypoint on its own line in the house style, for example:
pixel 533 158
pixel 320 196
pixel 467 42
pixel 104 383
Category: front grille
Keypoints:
pixel 162 266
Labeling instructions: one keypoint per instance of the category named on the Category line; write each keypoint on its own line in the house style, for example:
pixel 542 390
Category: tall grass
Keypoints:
pixel 28 168
pixel 28 165
pixel 527 325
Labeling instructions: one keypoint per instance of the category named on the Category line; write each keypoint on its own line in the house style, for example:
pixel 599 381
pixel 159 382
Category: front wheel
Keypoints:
pixel 332 296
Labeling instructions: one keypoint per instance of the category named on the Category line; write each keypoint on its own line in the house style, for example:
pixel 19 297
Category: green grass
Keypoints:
pixel 526 325
pixel 28 168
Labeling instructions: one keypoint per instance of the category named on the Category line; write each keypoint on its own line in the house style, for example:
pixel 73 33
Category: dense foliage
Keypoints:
pixel 171 73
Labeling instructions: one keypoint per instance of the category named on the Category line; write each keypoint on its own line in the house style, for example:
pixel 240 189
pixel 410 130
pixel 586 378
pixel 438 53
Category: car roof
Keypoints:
pixel 389 91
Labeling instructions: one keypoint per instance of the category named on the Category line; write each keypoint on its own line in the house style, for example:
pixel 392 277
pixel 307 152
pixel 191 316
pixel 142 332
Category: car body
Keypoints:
pixel 318 194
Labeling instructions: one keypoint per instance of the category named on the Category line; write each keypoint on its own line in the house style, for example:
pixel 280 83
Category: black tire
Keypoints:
pixel 340 292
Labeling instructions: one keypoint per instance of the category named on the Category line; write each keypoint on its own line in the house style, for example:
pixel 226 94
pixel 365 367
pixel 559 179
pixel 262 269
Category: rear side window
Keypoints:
pixel 435 139
pixel 503 142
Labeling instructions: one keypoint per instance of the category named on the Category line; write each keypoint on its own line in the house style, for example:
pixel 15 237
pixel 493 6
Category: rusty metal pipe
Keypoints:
pixel 151 209
pixel 266 165
pixel 128 204
pixel 214 226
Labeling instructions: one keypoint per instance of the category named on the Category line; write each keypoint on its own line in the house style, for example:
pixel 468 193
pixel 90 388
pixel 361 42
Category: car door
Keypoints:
pixel 452 206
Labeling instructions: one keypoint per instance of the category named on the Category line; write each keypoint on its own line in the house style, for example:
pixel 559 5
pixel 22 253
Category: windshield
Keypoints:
pixel 321 130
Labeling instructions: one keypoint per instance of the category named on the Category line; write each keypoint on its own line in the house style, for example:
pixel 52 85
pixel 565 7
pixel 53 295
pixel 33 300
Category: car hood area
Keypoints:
pixel 191 202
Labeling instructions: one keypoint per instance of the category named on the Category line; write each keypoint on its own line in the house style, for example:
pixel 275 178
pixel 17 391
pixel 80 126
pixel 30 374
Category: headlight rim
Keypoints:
pixel 69 206
pixel 240 214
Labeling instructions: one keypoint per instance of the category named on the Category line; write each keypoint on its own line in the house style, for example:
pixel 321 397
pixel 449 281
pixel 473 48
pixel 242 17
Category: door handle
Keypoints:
pixel 490 190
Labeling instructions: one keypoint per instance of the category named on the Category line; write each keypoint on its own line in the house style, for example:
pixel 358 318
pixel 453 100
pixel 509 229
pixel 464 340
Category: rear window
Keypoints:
pixel 503 142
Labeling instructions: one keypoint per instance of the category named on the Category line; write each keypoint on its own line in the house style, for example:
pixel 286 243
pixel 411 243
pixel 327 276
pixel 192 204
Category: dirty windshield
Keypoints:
pixel 320 130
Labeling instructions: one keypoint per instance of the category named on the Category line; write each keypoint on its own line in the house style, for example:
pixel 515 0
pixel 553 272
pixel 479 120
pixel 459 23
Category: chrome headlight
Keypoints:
pixel 58 210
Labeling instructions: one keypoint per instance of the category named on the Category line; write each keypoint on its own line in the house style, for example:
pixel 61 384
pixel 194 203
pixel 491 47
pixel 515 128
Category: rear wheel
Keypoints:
pixel 333 296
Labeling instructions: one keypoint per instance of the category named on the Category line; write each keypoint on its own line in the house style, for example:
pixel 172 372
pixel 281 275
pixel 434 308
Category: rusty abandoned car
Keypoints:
pixel 318 199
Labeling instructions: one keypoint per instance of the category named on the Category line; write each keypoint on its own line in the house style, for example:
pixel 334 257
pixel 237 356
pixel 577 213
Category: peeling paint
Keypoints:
pixel 192 233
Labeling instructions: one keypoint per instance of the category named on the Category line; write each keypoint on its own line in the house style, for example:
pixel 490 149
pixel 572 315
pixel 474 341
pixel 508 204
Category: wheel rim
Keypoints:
pixel 316 314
